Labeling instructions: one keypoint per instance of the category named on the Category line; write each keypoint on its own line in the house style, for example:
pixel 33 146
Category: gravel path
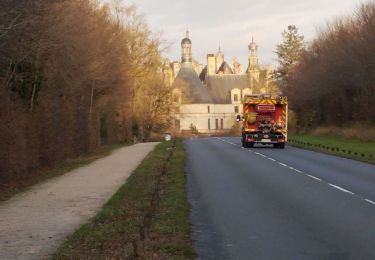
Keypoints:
pixel 34 223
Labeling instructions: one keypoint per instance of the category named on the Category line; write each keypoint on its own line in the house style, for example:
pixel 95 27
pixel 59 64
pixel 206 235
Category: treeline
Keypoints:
pixel 333 83
pixel 74 74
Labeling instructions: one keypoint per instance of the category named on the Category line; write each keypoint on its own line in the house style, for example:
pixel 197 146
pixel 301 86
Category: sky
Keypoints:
pixel 232 24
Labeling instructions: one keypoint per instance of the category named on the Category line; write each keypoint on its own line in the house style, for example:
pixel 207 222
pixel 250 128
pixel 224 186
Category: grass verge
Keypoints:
pixel 11 187
pixel 146 218
pixel 350 148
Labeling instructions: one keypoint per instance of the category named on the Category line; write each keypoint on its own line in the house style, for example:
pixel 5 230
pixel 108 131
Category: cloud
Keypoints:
pixel 233 23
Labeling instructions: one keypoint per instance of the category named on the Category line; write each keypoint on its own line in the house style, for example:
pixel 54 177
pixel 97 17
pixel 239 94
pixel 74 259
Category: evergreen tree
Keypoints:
pixel 288 52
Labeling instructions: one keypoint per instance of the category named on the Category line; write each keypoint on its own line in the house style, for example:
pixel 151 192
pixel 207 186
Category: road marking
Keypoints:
pixel 311 176
pixel 339 188
pixel 316 178
pixel 260 154
pixel 370 201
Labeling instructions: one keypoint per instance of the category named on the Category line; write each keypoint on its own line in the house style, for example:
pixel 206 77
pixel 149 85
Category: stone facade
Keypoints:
pixel 208 98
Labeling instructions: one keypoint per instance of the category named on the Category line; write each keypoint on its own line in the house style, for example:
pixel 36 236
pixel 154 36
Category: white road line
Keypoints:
pixel 339 188
pixel 370 201
pixel 311 176
pixel 316 178
pixel 221 139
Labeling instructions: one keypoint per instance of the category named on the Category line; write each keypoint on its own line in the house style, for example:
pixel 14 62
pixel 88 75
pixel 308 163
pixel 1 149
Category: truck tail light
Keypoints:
pixel 249 139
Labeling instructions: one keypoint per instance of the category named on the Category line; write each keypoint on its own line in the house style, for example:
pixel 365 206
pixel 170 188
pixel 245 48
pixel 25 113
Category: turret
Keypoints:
pixel 253 55
pixel 219 58
pixel 186 49
pixel 253 67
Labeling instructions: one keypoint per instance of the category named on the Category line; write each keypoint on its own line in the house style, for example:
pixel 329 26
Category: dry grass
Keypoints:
pixel 358 131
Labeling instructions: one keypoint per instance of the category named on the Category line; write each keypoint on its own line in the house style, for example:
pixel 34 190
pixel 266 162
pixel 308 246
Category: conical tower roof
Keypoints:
pixel 192 88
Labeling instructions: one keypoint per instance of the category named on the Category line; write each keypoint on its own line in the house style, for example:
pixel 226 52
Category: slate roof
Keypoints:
pixel 219 87
pixel 202 75
pixel 191 86
pixel 186 40
pixel 225 68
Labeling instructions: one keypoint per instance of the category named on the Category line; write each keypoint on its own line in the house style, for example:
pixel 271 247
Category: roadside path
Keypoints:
pixel 33 224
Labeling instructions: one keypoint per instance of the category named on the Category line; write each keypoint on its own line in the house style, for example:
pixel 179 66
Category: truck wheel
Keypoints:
pixel 282 146
pixel 276 146
pixel 250 145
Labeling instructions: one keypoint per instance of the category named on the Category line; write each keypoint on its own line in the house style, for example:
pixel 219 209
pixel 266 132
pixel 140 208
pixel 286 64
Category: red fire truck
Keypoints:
pixel 264 120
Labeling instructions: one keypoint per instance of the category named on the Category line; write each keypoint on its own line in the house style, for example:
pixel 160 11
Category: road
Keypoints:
pixel 264 203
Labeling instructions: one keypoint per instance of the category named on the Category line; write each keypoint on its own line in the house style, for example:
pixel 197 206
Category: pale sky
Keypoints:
pixel 232 23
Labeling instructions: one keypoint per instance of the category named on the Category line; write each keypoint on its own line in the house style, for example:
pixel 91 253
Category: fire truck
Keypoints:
pixel 264 120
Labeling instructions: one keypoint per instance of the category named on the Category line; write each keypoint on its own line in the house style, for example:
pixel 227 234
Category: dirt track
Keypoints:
pixel 33 224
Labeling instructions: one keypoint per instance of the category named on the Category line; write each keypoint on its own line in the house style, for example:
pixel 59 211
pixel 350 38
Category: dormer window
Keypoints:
pixel 235 95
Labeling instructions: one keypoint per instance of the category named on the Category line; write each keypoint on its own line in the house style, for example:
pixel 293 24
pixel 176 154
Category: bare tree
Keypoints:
pixel 333 81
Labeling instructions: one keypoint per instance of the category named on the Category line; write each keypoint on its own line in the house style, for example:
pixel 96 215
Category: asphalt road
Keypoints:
pixel 264 203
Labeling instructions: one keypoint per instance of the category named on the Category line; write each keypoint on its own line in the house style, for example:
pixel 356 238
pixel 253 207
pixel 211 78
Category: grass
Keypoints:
pixel 9 188
pixel 170 229
pixel 346 147
pixel 146 218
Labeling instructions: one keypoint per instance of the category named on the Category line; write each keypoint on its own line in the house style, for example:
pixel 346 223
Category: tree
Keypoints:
pixel 289 53
pixel 150 97
pixel 64 79
pixel 333 82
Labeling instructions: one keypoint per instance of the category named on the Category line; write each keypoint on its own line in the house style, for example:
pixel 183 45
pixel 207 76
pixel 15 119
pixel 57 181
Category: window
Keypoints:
pixel 209 124
pixel 236 110
pixel 222 123
pixel 177 124
pixel 208 109
pixel 176 98
pixel 217 123
pixel 235 97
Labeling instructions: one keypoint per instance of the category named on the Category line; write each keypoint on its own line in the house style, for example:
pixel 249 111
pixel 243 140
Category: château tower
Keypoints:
pixel 186 49
pixel 253 55
pixel 253 69
pixel 219 58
